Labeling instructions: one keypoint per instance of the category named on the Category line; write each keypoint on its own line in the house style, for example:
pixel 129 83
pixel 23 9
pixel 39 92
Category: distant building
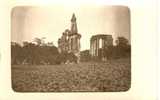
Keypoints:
pixel 70 40
pixel 98 45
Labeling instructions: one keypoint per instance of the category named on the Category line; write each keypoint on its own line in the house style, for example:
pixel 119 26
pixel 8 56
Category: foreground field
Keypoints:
pixel 109 76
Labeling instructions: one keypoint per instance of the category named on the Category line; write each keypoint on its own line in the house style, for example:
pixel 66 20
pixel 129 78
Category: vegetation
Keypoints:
pixel 35 68
pixel 41 53
pixel 85 56
pixel 87 76
pixel 38 53
pixel 65 57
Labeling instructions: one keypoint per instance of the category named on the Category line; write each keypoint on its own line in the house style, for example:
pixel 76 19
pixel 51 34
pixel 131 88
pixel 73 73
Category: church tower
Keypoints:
pixel 74 38
pixel 70 40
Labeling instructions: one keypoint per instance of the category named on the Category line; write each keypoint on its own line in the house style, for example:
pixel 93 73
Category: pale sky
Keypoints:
pixel 50 22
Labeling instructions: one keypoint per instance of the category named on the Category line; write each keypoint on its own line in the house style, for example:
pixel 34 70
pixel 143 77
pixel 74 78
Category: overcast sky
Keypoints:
pixel 50 22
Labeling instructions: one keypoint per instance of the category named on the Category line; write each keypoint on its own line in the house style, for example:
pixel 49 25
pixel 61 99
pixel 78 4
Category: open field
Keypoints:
pixel 90 76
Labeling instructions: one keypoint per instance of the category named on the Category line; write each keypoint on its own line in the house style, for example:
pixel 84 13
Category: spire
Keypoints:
pixel 73 18
pixel 73 24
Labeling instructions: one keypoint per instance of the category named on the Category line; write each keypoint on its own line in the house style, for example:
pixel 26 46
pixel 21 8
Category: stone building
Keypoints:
pixel 99 43
pixel 70 40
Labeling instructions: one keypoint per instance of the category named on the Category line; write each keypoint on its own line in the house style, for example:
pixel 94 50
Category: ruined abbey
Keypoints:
pixel 70 40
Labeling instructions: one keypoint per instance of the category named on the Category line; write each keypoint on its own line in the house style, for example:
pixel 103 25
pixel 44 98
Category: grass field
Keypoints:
pixel 90 76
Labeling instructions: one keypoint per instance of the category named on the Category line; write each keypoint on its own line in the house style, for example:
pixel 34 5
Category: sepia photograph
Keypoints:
pixel 71 49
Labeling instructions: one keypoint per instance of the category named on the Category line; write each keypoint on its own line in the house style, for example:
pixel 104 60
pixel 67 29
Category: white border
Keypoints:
pixel 144 52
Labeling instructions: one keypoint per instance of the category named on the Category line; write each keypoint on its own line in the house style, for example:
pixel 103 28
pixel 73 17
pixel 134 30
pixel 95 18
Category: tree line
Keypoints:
pixel 40 53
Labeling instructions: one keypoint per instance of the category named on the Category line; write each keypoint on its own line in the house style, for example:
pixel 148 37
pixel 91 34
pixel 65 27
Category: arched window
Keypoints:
pixel 100 43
